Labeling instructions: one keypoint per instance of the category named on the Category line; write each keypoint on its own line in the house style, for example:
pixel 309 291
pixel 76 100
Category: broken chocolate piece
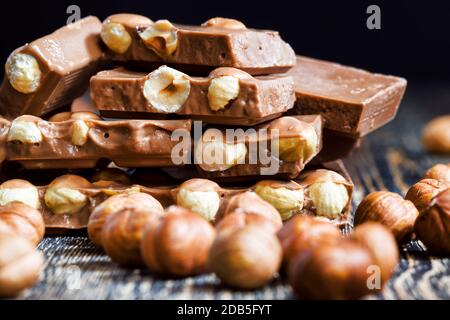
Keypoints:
pixel 248 154
pixel 51 71
pixel 136 40
pixel 82 142
pixel 227 96
pixel 352 101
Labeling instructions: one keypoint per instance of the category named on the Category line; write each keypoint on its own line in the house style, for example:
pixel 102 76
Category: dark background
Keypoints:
pixel 414 41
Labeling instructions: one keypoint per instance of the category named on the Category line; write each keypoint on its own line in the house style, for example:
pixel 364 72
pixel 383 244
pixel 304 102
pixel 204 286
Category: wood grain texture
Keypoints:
pixel 390 159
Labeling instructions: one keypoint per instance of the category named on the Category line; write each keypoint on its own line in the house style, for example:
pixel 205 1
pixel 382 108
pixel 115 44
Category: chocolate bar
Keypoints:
pixel 51 71
pixel 219 42
pixel 227 96
pixel 82 141
pixel 251 153
pixel 67 202
pixel 352 101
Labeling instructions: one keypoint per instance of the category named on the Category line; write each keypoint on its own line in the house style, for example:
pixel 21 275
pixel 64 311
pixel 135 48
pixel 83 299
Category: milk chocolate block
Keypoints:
pixel 219 42
pixel 352 101
pixel 81 140
pixel 280 148
pixel 51 71
pixel 227 96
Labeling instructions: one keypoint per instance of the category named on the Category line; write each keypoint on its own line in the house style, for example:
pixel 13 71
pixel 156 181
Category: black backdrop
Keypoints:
pixel 414 40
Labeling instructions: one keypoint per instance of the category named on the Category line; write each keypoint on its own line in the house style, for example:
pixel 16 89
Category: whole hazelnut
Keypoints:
pixel 250 203
pixel 245 258
pixel 178 243
pixel 23 220
pixel 122 234
pixel 381 244
pixel 391 210
pixel 304 232
pixel 433 225
pixel 436 135
pixel 234 221
pixel 331 271
pixel 20 264
pixel 138 201
pixel 424 191
pixel 439 171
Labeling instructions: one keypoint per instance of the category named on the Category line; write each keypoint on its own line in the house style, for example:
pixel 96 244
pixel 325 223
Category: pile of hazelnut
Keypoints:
pixel 242 239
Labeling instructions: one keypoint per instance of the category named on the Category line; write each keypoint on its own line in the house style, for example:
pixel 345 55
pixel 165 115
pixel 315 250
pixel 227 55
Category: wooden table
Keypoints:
pixel 389 159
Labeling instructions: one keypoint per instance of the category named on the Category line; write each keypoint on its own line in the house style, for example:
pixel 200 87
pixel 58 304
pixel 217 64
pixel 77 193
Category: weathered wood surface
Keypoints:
pixel 390 159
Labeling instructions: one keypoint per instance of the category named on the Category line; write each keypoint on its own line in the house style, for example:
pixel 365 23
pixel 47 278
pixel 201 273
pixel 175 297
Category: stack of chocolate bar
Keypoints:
pixel 171 104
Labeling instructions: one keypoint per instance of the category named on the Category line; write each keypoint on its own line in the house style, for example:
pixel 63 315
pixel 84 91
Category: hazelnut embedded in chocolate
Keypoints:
pixel 201 196
pixel 63 196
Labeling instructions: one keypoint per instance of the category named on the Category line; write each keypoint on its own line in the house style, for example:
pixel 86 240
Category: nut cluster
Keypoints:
pixel 323 265
pixel 21 229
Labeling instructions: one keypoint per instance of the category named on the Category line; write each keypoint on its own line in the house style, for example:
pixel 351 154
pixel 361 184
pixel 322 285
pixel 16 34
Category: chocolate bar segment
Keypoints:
pixel 227 96
pixel 51 71
pixel 82 142
pixel 280 148
pixel 352 101
pixel 219 42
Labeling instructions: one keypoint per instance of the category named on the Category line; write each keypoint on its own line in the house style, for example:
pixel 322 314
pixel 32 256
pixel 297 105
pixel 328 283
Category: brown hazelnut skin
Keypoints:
pixel 122 235
pixel 391 210
pixel 304 232
pixel 20 265
pixel 436 135
pixel 234 221
pixel 140 201
pixel 439 171
pixel 433 225
pixel 177 244
pixel 424 191
pixel 246 258
pixel 331 271
pixel 381 244
pixel 250 203
pixel 23 220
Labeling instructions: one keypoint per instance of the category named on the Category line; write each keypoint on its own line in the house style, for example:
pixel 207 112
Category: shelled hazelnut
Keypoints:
pixel 23 220
pixel 381 244
pixel 250 203
pixel 20 264
pixel 304 232
pixel 391 210
pixel 20 191
pixel 226 23
pixel 201 196
pixel 245 258
pixel 63 196
pixel 439 171
pixel 331 271
pixel 122 234
pixel 436 135
pixel 433 225
pixel 178 243
pixel 138 201
pixel 234 221
pixel 424 191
